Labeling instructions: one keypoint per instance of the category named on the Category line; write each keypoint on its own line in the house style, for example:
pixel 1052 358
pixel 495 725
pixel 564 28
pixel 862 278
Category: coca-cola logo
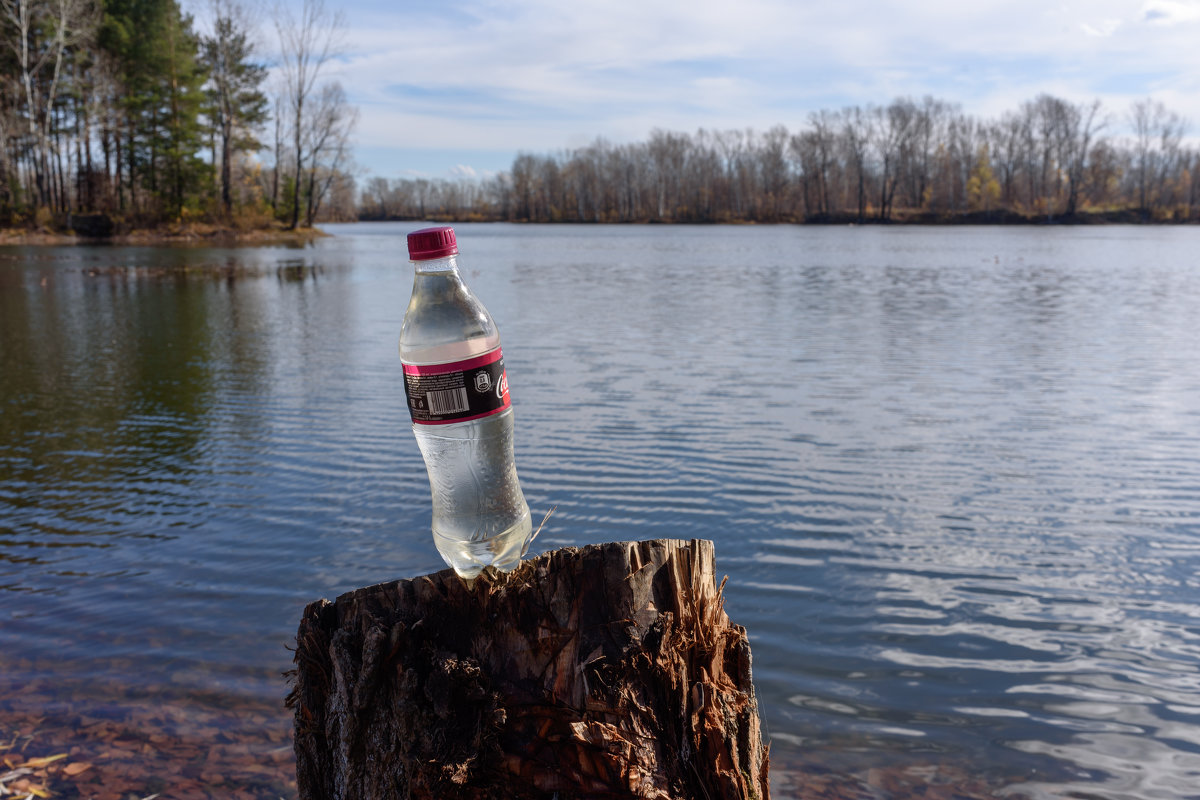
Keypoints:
pixel 502 385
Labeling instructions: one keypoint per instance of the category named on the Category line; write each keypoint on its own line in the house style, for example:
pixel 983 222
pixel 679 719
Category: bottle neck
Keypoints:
pixel 434 266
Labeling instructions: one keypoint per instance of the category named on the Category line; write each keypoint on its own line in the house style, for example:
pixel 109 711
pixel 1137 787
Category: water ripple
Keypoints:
pixel 958 498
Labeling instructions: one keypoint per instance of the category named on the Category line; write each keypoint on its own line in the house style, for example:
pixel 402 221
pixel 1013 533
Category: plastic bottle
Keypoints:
pixel 457 393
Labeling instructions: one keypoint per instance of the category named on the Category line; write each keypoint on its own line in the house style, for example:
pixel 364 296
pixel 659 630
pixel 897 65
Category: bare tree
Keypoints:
pixel 279 103
pixel 668 154
pixel 1006 154
pixel 773 171
pixel 1083 123
pixel 732 146
pixel 332 120
pixel 375 200
pixel 1105 166
pixel 704 178
pixel 928 134
pixel 824 125
pixel 966 138
pixel 7 124
pixel 307 45
pixel 891 131
pixel 1192 166
pixel 1158 134
pixel 856 133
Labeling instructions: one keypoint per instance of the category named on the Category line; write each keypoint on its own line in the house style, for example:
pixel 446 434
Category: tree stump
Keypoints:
pixel 605 671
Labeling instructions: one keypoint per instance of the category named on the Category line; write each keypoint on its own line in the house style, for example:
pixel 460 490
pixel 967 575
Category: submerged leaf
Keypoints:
pixel 38 763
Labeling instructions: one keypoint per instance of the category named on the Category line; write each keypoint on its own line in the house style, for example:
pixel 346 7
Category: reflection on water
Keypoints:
pixel 951 474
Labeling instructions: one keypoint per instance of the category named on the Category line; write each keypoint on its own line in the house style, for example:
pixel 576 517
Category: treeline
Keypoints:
pixel 125 108
pixel 908 161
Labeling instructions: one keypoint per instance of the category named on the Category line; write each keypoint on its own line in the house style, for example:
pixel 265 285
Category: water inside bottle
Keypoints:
pixel 480 516
pixel 503 551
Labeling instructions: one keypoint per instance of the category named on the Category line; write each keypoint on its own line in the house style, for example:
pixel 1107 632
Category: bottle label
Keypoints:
pixel 439 394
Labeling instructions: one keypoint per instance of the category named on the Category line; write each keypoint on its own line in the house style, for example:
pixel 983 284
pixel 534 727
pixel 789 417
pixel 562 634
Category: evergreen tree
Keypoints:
pixel 157 58
pixel 236 104
pixel 183 104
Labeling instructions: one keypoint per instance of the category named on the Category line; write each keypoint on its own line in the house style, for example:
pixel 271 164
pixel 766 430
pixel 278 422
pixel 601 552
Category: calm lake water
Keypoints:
pixel 953 475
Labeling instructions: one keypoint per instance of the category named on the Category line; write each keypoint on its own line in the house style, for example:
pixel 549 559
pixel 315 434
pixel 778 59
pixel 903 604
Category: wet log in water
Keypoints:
pixel 606 671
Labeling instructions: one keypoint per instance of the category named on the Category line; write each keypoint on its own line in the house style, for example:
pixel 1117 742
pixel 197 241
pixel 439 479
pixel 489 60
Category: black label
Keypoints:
pixel 442 393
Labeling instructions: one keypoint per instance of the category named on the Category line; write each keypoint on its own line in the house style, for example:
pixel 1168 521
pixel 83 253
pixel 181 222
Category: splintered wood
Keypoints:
pixel 607 671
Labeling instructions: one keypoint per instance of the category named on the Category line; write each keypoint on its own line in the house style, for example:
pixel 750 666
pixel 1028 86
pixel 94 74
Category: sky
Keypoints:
pixel 457 88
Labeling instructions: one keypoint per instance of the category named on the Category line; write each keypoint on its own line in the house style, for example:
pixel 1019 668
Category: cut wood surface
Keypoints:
pixel 605 671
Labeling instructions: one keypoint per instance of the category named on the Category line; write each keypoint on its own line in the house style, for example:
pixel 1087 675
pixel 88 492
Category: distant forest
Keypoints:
pixel 922 161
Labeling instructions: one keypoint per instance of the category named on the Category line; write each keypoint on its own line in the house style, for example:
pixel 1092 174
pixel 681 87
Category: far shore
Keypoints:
pixel 899 217
pixel 208 234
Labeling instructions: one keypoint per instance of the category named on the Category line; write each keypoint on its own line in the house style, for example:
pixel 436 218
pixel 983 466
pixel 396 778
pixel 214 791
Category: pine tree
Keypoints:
pixel 236 104
pixel 183 130
pixel 156 54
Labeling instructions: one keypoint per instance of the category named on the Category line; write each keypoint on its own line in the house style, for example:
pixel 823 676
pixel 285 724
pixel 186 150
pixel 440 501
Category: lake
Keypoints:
pixel 953 475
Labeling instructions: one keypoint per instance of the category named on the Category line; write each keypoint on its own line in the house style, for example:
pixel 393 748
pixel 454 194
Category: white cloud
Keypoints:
pixel 1102 29
pixel 542 75
pixel 1170 12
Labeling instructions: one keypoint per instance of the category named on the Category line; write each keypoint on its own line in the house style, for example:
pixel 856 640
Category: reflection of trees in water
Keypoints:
pixel 298 269
pixel 127 370
pixel 105 396
pixel 112 374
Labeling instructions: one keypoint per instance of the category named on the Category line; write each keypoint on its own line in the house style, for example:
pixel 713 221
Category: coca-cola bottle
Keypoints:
pixel 462 414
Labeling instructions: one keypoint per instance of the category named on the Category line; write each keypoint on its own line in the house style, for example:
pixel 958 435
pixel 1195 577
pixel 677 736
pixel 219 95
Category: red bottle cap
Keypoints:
pixel 430 243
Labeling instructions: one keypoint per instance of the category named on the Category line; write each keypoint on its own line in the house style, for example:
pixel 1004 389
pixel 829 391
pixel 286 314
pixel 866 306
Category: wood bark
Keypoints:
pixel 606 671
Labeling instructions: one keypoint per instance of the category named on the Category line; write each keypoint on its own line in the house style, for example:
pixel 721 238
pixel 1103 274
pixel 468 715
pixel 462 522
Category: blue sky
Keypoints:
pixel 459 87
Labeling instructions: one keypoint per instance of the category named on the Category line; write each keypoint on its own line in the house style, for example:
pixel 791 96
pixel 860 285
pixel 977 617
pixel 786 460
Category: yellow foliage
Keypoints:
pixel 983 190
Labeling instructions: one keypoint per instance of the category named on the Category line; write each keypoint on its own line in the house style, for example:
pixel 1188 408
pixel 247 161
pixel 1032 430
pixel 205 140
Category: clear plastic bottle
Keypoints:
pixel 457 394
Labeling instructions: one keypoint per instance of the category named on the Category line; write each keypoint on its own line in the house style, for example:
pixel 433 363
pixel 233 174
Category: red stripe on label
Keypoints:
pixel 454 366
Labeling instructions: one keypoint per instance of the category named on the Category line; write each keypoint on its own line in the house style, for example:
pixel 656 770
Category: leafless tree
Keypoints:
pixel 856 134
pixel 1158 134
pixel 1007 135
pixel 327 141
pixel 1081 125
pixel 891 132
pixel 375 202
pixel 307 44
pixel 914 158
pixel 774 177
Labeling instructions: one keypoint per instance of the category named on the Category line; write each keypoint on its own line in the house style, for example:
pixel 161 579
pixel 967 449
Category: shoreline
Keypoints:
pixel 171 234
pixel 902 218
pixel 208 234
